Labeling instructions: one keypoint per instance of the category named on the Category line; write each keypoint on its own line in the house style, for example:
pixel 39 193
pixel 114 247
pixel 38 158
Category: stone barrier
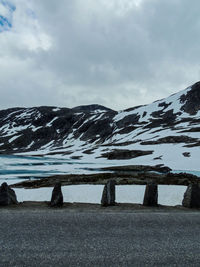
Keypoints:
pixel 151 195
pixel 7 195
pixel 191 197
pixel 108 196
pixel 57 196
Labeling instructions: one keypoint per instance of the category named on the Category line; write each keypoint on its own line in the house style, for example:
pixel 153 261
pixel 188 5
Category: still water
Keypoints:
pixel 28 167
pixel 15 167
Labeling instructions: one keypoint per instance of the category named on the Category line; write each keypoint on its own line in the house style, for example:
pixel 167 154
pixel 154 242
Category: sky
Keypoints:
pixel 116 53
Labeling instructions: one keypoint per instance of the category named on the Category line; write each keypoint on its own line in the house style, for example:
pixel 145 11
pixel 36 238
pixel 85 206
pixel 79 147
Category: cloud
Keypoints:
pixel 115 53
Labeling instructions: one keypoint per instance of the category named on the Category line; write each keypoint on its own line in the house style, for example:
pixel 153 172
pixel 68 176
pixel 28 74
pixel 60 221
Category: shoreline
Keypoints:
pixel 122 177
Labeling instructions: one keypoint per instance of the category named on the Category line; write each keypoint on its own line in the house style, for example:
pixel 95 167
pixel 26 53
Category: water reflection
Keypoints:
pixel 23 167
pixel 31 167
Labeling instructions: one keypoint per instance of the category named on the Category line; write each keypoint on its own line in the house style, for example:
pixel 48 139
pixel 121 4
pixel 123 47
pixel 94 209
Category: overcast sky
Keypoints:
pixel 117 53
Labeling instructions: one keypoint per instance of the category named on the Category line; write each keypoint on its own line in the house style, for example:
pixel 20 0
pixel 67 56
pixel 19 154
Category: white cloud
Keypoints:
pixel 3 10
pixel 26 29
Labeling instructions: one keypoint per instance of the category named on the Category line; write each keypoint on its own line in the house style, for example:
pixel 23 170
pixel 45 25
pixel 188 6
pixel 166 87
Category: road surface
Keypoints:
pixel 98 237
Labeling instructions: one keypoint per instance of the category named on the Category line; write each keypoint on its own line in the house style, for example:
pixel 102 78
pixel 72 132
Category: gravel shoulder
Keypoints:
pixel 89 207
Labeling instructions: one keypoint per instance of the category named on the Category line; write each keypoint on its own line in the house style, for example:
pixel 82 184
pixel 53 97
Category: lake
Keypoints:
pixel 15 167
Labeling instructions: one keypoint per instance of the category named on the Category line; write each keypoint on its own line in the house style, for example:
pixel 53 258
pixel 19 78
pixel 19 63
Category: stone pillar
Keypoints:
pixel 7 195
pixel 108 196
pixel 151 195
pixel 191 197
pixel 57 196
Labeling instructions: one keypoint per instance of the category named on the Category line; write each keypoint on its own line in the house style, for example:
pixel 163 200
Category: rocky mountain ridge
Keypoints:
pixel 157 133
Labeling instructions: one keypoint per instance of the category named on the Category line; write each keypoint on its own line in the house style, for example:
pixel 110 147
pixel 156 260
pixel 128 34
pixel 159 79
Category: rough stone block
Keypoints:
pixel 57 196
pixel 191 197
pixel 108 196
pixel 151 195
pixel 7 195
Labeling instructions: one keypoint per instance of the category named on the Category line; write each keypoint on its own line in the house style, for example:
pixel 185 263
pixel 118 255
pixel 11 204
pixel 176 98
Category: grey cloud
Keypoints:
pixel 98 56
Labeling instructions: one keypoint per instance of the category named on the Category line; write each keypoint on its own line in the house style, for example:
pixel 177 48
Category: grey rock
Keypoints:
pixel 186 154
pixel 151 195
pixel 108 196
pixel 7 195
pixel 57 196
pixel 192 196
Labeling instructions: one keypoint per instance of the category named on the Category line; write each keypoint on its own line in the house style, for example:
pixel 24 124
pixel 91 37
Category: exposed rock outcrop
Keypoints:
pixel 191 99
pixel 125 154
pixel 186 154
pixel 171 140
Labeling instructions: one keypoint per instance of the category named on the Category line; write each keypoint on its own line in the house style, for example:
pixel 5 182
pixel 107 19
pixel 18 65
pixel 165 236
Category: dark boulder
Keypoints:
pixel 151 195
pixel 7 195
pixel 108 196
pixel 186 154
pixel 192 196
pixel 57 196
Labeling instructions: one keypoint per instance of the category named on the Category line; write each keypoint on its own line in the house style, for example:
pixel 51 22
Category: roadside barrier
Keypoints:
pixel 191 197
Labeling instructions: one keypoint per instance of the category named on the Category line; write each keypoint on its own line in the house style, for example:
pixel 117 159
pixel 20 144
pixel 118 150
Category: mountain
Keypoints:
pixel 164 132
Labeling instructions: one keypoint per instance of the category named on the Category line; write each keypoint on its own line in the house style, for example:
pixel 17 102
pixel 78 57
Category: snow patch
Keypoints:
pixel 13 138
pixel 50 123
pixel 56 109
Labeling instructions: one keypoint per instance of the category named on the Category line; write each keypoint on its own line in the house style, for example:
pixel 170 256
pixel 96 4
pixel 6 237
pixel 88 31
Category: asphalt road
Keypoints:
pixel 58 237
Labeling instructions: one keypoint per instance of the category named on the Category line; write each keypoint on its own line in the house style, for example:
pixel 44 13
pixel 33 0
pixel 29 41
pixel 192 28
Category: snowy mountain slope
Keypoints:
pixel 164 132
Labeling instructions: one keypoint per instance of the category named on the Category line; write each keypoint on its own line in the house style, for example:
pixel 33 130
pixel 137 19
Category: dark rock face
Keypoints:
pixel 57 196
pixel 108 196
pixel 126 121
pixel 191 100
pixel 7 195
pixel 165 105
pixel 42 125
pixel 139 168
pixel 186 154
pixel 125 154
pixel 89 108
pixel 89 130
pixel 171 140
pixel 151 195
pixel 192 196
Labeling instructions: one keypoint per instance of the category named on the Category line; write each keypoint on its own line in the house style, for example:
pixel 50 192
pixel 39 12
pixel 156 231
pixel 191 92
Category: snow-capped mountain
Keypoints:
pixel 164 132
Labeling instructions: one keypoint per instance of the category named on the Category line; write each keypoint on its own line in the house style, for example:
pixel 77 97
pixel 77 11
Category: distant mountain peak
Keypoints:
pixel 166 131
pixel 89 108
